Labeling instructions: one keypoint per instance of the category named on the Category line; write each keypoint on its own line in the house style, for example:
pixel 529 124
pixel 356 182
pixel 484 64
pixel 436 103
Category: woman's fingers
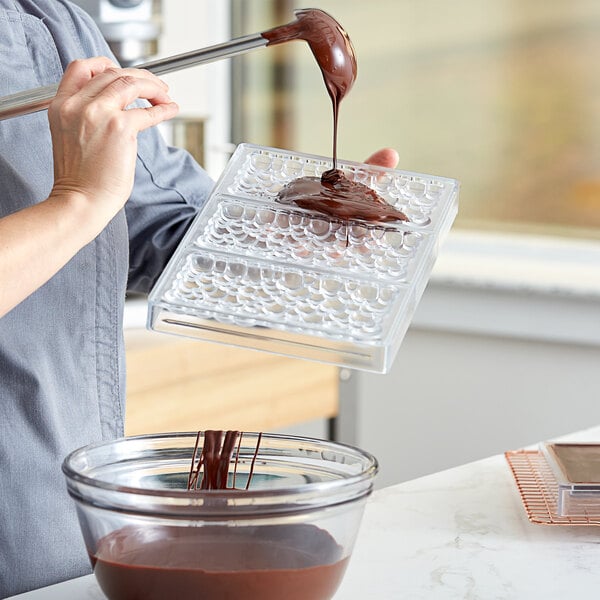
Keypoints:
pixel 102 92
pixel 124 90
pixel 88 79
pixel 80 72
pixel 125 77
pixel 386 157
pixel 142 118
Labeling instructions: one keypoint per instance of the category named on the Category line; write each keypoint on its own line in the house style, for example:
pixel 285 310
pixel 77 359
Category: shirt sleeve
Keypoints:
pixel 169 187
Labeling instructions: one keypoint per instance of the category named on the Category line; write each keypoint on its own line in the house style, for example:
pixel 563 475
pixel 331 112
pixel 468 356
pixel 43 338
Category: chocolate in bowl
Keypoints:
pixel 289 535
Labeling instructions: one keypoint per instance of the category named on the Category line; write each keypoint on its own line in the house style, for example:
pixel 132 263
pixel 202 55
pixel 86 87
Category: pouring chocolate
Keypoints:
pixel 333 193
pixel 332 49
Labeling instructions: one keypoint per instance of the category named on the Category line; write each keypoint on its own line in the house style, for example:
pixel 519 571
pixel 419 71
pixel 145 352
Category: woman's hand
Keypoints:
pixel 94 134
pixel 94 138
pixel 387 157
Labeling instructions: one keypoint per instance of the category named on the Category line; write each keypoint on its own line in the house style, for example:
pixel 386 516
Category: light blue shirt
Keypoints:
pixel 61 350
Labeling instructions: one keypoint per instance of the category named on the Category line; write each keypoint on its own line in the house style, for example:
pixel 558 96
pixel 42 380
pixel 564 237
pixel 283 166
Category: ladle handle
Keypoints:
pixel 29 101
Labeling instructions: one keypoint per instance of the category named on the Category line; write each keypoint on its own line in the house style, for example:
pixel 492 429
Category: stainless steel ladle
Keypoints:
pixel 34 100
pixel 315 26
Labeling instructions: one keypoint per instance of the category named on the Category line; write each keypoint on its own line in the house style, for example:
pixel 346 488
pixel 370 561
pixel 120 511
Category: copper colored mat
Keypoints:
pixel 539 490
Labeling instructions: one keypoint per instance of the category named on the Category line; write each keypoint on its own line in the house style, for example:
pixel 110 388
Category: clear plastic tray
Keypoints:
pixel 257 273
pixel 538 487
pixel 576 467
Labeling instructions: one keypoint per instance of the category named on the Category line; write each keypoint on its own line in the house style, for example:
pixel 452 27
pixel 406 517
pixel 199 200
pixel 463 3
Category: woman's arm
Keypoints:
pixel 94 139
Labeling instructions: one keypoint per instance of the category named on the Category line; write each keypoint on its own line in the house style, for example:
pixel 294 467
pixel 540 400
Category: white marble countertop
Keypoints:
pixel 457 534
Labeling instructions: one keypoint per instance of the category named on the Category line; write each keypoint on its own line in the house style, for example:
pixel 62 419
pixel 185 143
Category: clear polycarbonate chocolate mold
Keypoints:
pixel 283 233
pixel 255 272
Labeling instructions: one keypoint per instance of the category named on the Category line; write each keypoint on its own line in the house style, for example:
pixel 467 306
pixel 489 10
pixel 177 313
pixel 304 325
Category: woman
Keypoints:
pixel 91 202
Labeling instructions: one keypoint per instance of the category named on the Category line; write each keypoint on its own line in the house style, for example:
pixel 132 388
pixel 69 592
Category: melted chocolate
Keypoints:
pixel 270 562
pixel 332 49
pixel 333 194
pixel 215 460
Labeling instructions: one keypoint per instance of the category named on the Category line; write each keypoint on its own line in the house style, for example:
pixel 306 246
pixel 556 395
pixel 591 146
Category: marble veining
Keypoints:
pixel 463 534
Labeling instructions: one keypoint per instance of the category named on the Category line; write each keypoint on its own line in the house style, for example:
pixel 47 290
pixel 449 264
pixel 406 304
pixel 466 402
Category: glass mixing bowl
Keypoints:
pixel 289 535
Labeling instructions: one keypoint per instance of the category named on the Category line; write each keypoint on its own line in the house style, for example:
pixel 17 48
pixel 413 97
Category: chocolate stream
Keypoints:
pixel 333 194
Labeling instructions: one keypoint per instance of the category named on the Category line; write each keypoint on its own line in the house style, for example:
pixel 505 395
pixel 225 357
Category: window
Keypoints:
pixel 503 95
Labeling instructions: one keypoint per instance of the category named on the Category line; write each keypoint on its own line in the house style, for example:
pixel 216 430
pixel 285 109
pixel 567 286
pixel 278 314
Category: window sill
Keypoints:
pixel 517 286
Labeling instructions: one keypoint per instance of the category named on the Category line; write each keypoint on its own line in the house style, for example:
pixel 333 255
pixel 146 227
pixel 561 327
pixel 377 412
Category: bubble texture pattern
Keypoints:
pixel 278 271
